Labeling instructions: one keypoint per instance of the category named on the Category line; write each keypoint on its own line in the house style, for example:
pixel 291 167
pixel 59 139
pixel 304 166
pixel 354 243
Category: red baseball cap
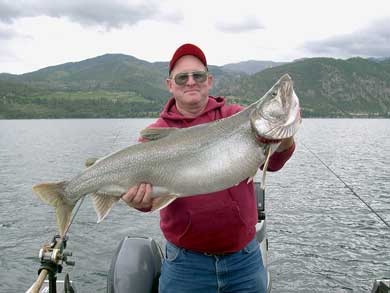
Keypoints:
pixel 187 49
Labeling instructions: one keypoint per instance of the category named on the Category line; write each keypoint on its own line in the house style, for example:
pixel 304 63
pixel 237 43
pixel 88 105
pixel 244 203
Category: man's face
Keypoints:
pixel 191 93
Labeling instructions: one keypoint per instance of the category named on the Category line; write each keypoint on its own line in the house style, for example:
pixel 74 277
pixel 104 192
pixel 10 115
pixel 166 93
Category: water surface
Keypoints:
pixel 321 237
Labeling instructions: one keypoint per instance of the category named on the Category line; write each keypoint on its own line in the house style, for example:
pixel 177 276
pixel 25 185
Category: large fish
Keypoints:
pixel 183 162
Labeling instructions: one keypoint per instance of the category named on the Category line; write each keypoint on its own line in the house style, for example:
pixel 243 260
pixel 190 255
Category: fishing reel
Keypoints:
pixel 52 257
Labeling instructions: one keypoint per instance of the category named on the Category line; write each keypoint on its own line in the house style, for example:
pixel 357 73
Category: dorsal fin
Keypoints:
pixel 90 161
pixel 156 133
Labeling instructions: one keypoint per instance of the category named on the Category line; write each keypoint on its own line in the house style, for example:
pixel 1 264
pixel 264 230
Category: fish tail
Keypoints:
pixel 54 195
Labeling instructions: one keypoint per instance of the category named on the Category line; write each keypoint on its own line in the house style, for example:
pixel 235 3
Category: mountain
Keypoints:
pixel 379 59
pixel 111 85
pixel 117 85
pixel 326 86
pixel 250 66
pixel 108 72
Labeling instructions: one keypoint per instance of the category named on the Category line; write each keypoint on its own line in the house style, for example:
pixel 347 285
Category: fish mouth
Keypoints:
pixel 278 116
pixel 283 130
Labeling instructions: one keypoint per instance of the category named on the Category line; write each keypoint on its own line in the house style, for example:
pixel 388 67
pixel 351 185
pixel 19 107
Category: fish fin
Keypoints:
pixel 156 133
pixel 90 161
pixel 250 179
pixel 63 214
pixel 269 153
pixel 163 202
pixel 103 204
pixel 54 195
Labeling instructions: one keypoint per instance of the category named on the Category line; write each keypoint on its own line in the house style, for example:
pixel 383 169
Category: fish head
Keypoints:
pixel 277 114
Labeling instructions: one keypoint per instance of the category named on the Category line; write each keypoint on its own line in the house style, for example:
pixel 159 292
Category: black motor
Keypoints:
pixel 135 266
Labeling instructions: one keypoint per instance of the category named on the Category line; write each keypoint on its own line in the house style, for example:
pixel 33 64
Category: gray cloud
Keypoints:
pixel 7 57
pixel 7 34
pixel 373 41
pixel 8 11
pixel 110 14
pixel 244 25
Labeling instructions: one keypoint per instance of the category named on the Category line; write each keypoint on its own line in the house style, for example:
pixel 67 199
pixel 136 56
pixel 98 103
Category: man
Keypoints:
pixel 211 245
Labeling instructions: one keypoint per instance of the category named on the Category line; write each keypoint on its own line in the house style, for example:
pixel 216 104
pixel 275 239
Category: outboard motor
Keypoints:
pixel 135 266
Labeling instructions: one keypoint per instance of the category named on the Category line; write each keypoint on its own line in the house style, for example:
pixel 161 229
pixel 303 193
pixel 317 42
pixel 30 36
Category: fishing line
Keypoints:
pixel 74 215
pixel 349 187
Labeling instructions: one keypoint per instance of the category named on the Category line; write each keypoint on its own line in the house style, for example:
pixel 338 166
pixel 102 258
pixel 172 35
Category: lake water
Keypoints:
pixel 321 237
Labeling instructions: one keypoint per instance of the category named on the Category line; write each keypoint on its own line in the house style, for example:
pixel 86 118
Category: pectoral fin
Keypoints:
pixel 103 204
pixel 156 133
pixel 250 179
pixel 163 202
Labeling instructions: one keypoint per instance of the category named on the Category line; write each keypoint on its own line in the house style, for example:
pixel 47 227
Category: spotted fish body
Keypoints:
pixel 183 162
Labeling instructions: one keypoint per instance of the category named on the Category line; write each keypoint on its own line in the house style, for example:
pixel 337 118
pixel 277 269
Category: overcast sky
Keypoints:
pixel 36 34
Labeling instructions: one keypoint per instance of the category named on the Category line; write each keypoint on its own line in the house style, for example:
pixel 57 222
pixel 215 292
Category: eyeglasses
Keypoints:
pixel 182 77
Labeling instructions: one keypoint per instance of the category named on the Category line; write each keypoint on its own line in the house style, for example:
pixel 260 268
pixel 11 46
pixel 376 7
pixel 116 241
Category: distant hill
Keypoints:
pixel 108 72
pixel 250 66
pixel 117 85
pixel 327 87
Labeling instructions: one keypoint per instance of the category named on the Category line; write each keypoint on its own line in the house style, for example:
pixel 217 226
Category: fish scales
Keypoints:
pixel 184 162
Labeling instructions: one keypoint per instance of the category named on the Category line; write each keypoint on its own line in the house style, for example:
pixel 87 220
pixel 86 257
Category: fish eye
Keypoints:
pixel 274 94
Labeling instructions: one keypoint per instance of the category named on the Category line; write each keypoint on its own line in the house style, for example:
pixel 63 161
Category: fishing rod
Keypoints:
pixel 74 216
pixel 349 187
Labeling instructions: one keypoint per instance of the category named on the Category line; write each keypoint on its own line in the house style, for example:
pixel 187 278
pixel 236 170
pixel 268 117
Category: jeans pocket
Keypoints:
pixel 251 246
pixel 171 252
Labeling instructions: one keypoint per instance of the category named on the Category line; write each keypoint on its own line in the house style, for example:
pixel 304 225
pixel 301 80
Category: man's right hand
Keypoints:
pixel 139 196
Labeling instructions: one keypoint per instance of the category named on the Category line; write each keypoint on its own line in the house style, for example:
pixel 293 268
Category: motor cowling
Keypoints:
pixel 135 267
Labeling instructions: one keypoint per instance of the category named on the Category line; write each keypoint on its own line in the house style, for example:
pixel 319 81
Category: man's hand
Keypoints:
pixel 139 196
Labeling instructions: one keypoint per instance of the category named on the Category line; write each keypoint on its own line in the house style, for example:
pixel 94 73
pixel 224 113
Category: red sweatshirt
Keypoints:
pixel 217 222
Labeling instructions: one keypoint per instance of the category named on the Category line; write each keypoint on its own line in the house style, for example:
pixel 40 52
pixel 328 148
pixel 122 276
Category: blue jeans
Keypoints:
pixel 186 271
